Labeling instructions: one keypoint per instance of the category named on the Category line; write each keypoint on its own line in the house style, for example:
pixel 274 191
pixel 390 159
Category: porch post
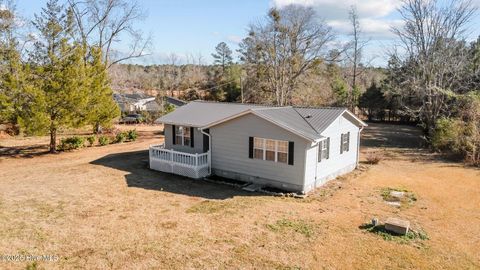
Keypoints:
pixel 171 160
pixel 150 156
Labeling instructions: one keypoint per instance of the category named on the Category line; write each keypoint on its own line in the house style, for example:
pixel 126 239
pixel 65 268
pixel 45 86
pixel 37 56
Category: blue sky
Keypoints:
pixel 194 27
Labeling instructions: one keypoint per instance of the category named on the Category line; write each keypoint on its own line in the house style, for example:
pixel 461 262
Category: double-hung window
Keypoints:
pixel 324 149
pixel 182 135
pixel 345 142
pixel 272 150
pixel 282 151
pixel 258 148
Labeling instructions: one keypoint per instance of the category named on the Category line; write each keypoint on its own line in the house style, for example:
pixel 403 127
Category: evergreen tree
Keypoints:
pixel 223 56
pixel 61 86
pixel 340 89
pixel 14 86
pixel 373 101
pixel 15 79
pixel 102 109
pixel 232 83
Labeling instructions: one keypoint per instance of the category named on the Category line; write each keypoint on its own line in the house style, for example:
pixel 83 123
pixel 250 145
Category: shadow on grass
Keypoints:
pixel 391 135
pixel 140 176
pixel 28 151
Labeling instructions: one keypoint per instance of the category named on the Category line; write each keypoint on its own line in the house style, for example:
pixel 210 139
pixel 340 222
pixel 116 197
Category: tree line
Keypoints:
pixel 291 57
pixel 286 59
pixel 433 76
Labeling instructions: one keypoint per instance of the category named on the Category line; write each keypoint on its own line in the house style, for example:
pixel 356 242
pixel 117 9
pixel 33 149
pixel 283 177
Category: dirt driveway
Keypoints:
pixel 101 208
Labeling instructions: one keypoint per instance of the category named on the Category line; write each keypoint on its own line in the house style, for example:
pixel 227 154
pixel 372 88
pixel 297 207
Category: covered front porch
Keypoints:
pixel 181 163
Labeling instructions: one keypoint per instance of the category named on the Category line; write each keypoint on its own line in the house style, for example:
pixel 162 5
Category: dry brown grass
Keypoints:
pixel 102 208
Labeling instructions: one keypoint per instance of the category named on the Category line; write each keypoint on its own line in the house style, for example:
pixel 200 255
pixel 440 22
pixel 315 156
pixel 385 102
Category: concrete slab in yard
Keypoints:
pixel 397 194
pixel 397 204
pixel 397 226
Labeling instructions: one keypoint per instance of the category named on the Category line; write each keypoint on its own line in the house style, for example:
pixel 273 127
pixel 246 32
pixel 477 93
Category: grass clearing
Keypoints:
pixel 102 208
pixel 210 207
pixel 303 227
pixel 229 206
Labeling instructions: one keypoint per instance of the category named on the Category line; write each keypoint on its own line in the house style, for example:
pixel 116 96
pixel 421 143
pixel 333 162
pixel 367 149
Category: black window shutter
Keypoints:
pixel 348 141
pixel 250 147
pixel 191 137
pixel 290 153
pixel 320 144
pixel 341 144
pixel 173 134
pixel 328 148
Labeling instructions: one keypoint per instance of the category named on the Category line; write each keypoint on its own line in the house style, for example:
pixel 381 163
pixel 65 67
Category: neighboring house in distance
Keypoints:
pixel 126 106
pixel 174 101
pixel 133 102
pixel 140 105
pixel 291 148
pixel 140 102
pixel 153 106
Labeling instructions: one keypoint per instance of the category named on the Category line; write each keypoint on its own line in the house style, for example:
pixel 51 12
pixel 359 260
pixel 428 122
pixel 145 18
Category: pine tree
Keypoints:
pixel 16 89
pixel 223 56
pixel 60 93
pixel 13 85
pixel 373 100
pixel 102 109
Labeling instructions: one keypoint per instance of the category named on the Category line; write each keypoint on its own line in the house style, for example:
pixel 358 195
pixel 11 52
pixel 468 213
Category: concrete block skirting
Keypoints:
pixel 258 180
pixel 324 179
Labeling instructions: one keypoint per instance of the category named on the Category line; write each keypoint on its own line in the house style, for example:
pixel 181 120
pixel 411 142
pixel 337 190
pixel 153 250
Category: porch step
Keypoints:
pixel 253 187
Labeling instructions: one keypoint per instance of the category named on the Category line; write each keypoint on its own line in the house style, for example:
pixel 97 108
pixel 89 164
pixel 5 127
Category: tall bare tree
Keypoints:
pixel 431 46
pixel 173 73
pixel 105 23
pixel 280 50
pixel 354 56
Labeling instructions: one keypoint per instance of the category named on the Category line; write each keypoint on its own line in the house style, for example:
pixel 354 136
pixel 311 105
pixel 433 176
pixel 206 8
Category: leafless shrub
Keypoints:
pixel 374 157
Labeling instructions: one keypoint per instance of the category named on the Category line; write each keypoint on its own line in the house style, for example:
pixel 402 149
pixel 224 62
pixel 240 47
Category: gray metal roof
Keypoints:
pixel 306 122
pixel 201 113
pixel 175 101
pixel 320 118
pixel 289 118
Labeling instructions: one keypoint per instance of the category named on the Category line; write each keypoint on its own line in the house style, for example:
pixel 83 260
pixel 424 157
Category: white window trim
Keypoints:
pixel 264 149
pixel 183 128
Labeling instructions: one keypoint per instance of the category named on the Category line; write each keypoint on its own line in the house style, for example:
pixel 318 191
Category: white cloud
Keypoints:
pixel 375 18
pixel 373 14
pixel 370 27
pixel 332 9
pixel 234 39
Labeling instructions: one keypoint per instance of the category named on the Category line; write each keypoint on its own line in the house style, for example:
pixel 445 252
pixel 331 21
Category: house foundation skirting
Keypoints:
pixel 258 180
pixel 320 181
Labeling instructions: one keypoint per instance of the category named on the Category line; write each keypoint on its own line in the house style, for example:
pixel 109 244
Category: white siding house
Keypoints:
pixel 230 153
pixel 295 149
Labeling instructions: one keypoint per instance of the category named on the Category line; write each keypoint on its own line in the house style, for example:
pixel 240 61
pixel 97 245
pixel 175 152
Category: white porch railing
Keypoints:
pixel 190 165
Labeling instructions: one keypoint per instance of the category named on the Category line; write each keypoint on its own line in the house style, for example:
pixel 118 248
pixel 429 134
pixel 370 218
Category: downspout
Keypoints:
pixel 209 157
pixel 358 147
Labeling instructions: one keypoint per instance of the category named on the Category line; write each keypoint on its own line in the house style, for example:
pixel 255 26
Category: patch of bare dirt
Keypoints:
pixel 101 207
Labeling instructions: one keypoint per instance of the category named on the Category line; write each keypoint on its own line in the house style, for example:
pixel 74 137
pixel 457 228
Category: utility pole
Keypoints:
pixel 241 89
